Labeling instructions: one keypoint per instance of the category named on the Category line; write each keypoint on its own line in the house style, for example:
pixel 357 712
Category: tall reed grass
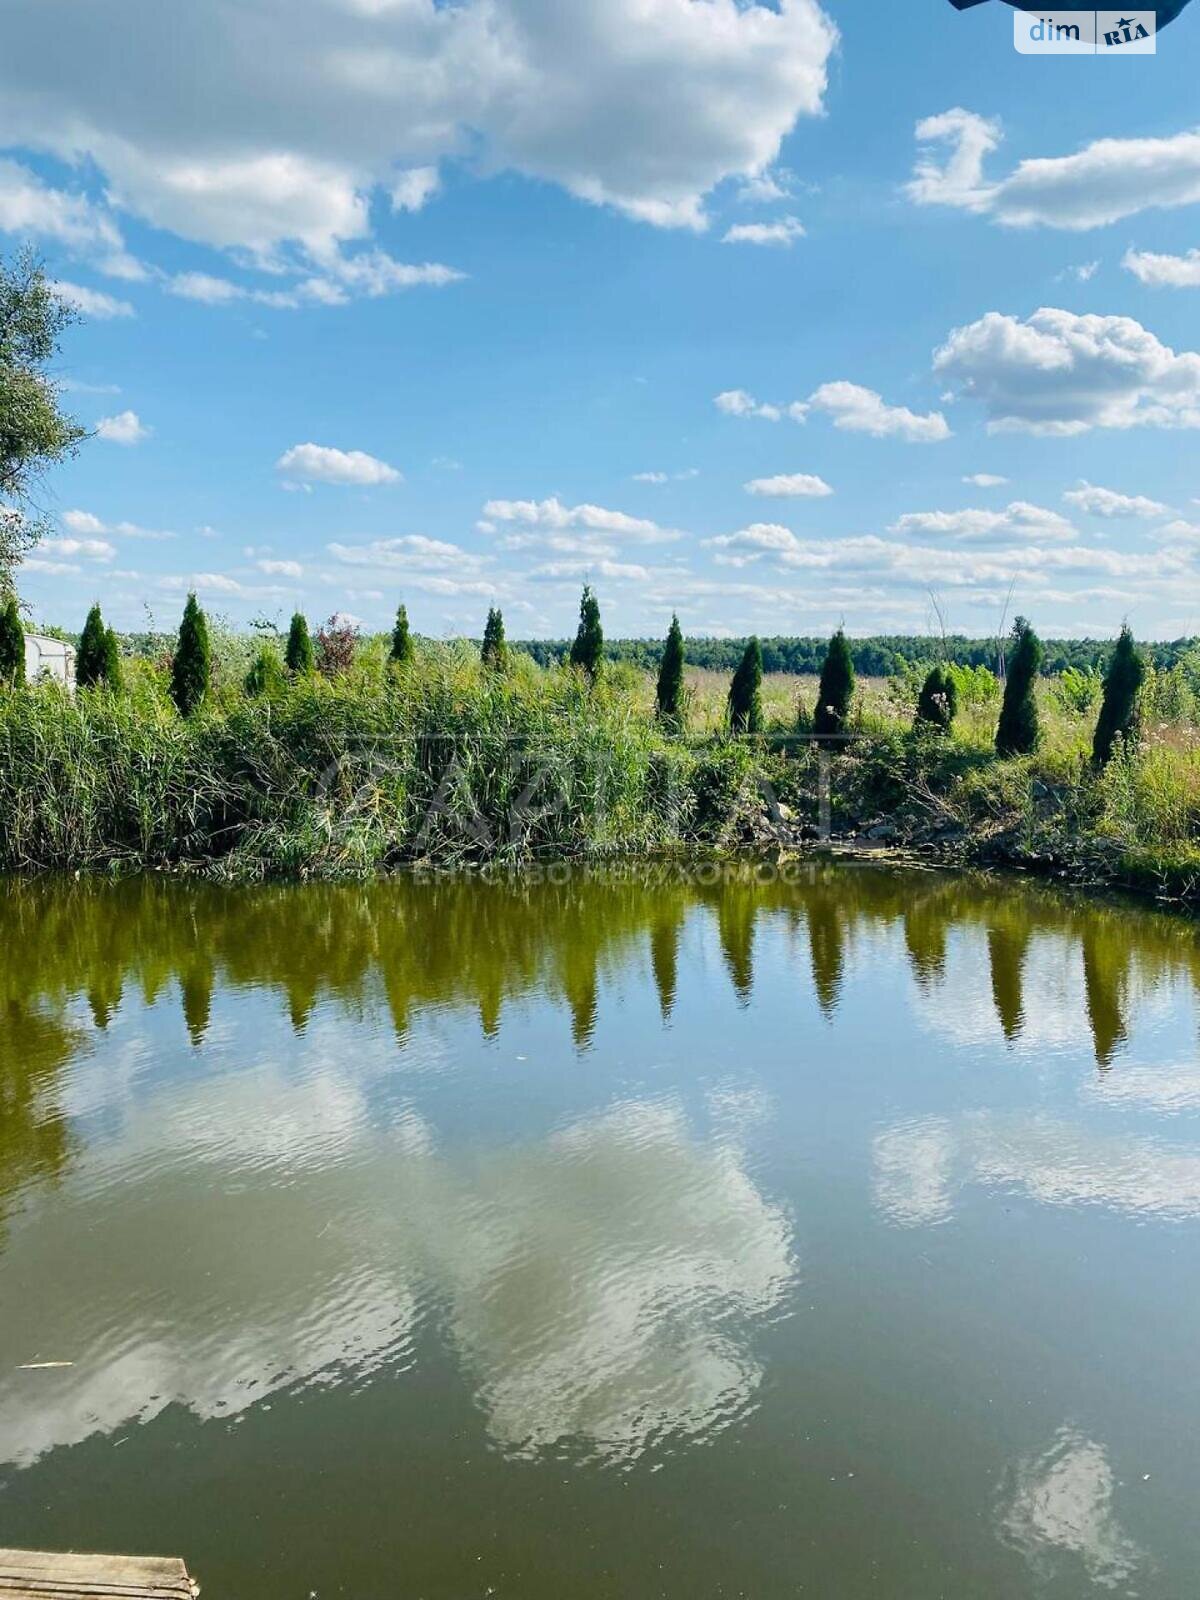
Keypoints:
pixel 448 762
pixel 442 761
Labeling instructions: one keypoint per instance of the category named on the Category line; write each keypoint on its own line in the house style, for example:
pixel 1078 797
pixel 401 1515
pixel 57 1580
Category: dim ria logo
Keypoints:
pixel 1074 29
pixel 1086 33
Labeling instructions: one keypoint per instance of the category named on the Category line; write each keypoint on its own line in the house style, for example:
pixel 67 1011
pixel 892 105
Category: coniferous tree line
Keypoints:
pixel 98 664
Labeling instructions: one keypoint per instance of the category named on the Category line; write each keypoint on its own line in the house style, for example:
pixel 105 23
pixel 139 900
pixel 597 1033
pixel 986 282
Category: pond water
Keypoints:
pixel 626 1234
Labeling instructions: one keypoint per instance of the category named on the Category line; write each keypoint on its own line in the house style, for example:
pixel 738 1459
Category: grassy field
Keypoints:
pixel 450 763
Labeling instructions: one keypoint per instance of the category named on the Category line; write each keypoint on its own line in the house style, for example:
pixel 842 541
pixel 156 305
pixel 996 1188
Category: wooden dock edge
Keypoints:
pixel 46 1575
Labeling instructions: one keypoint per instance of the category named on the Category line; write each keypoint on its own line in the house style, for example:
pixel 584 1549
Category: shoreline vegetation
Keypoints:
pixel 333 755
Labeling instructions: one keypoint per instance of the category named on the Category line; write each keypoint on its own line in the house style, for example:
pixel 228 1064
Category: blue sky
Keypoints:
pixel 464 305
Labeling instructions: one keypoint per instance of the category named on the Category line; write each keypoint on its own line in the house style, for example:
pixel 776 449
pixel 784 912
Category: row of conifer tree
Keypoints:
pixel 98 662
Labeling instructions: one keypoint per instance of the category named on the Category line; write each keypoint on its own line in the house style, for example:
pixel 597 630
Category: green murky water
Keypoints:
pixel 620 1236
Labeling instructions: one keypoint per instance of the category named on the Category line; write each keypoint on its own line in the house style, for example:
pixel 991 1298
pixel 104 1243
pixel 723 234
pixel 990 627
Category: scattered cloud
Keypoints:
pixel 32 209
pixel 280 569
pixel 410 552
pixel 751 544
pixel 666 477
pixel 1104 182
pixel 1019 520
pixel 318 463
pixel 851 406
pixel 413 189
pixel 784 231
pixel 370 273
pixel 577 570
pixel 863 411
pixel 87 524
pixel 1099 502
pixel 985 480
pixel 430 566
pixel 956 180
pixel 204 287
pixel 78 386
pixel 92 302
pixel 126 428
pixel 1178 531
pixel 68 549
pixel 765 188
pixel 790 485
pixel 1084 271
pixel 1058 373
pixel 204 583
pixel 1162 271
pixel 737 403
pixel 551 516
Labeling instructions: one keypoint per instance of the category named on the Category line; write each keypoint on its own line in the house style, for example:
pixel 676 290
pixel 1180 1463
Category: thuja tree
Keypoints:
pixel 91 659
pixel 401 652
pixel 495 649
pixel 670 677
pixel 1018 732
pixel 588 648
pixel 12 643
pixel 836 689
pixel 191 669
pixel 937 704
pixel 113 673
pixel 745 697
pixel 1119 709
pixel 298 654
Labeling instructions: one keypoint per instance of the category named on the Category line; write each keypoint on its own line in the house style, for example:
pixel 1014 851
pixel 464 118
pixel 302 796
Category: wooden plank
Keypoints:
pixel 45 1575
pixel 49 1585
pixel 148 1569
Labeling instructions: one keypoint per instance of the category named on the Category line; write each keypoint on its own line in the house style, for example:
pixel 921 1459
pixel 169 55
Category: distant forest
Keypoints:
pixel 876 657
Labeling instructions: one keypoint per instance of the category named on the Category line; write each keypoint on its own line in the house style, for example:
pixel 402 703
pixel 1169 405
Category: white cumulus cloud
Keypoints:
pixel 410 552
pixel 253 126
pixel 1111 503
pixel 126 428
pixel 1105 181
pixel 1164 271
pixel 784 231
pixel 1059 373
pixel 1019 520
pixel 790 485
pixel 552 516
pixel 862 410
pixel 70 549
pixel 737 403
pixel 318 463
